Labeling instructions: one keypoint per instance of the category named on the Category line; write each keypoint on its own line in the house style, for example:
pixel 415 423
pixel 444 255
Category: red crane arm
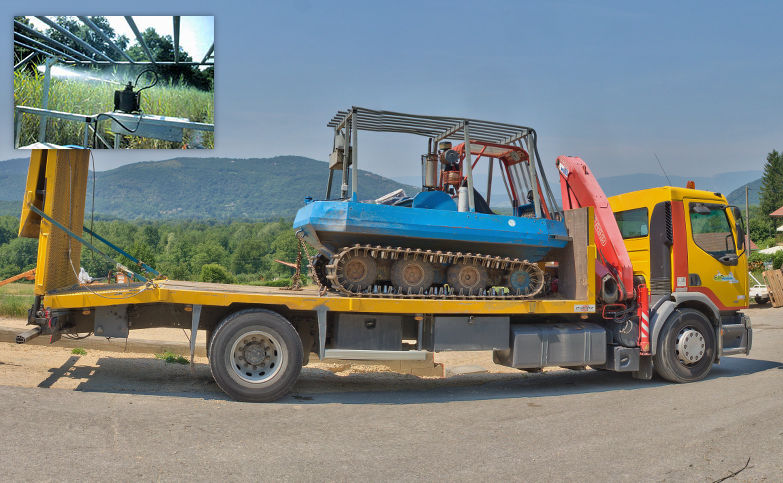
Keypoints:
pixel 580 188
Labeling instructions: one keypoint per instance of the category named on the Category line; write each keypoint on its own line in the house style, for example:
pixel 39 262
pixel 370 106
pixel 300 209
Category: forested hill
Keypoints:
pixel 206 188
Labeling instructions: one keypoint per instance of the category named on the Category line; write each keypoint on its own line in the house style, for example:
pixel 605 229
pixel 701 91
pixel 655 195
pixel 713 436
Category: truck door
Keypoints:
pixel 716 266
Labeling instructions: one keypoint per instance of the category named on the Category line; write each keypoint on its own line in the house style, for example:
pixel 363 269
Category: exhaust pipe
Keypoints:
pixel 28 335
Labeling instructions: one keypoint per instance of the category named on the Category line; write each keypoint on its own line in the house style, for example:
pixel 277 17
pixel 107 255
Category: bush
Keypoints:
pixel 215 273
pixel 777 260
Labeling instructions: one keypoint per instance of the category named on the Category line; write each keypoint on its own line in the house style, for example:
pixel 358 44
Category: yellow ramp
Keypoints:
pixel 56 185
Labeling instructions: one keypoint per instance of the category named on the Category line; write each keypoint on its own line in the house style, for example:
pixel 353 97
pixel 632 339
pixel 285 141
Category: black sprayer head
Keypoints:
pixel 127 100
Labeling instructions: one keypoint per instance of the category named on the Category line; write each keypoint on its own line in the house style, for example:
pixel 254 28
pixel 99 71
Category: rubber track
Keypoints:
pixel 395 253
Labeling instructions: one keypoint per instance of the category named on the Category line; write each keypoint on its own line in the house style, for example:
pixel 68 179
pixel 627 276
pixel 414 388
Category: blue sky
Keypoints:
pixel 698 83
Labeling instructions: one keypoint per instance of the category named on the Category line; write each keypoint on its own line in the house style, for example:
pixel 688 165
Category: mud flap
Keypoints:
pixel 645 371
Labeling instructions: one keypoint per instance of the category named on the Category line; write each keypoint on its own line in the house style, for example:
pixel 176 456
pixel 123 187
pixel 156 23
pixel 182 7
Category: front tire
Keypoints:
pixel 255 355
pixel 686 347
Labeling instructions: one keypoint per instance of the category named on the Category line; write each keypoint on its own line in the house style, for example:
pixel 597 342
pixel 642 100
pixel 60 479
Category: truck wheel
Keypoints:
pixel 255 355
pixel 686 347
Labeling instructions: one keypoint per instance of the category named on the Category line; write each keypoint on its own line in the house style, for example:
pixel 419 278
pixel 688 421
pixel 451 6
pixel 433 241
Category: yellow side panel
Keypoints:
pixel 29 223
pixel 66 185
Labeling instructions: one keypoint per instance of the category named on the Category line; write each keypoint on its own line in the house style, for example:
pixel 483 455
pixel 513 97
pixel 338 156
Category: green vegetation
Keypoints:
pixel 172 358
pixel 237 252
pixel 92 97
pixel 12 305
pixel 78 351
pixel 760 225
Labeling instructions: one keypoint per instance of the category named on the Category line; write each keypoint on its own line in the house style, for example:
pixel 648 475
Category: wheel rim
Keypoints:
pixel 519 280
pixel 413 274
pixel 690 346
pixel 256 356
pixel 355 270
pixel 469 277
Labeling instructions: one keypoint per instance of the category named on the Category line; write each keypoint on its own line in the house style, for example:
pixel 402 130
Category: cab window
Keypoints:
pixel 632 223
pixel 711 229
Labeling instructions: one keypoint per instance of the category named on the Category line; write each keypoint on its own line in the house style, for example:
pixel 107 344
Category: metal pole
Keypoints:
pixel 17 127
pixel 354 155
pixel 176 38
pixel 469 163
pixel 533 174
pixel 24 61
pixel 747 219
pixel 346 150
pixel 329 184
pixel 76 39
pixel 59 45
pixel 45 98
pixel 136 32
pixel 489 180
pixel 209 53
pixel 102 34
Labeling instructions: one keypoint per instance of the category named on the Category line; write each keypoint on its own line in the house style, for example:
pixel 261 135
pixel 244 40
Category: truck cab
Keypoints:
pixel 688 247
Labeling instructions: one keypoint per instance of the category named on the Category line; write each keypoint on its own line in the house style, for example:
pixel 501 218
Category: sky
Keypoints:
pixel 697 83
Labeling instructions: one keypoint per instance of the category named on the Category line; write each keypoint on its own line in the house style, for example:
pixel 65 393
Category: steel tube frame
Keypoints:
pixel 533 174
pixel 209 53
pixel 139 62
pixel 86 21
pixel 24 61
pixel 489 180
pixel 45 98
pixel 469 164
pixel 136 32
pixel 22 44
pixel 71 36
pixel 41 45
pixel 176 19
pixel 38 34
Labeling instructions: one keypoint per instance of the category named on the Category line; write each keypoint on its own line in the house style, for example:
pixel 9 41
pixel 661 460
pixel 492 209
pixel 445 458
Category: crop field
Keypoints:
pixel 94 97
pixel 15 299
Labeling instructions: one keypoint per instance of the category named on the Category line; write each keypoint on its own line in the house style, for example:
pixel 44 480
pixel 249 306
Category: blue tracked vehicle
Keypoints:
pixel 445 241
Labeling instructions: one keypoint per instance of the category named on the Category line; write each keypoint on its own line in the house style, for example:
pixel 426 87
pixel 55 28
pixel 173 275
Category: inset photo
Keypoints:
pixel 114 82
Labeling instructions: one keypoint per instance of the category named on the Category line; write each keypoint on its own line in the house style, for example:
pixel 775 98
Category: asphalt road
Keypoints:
pixel 130 422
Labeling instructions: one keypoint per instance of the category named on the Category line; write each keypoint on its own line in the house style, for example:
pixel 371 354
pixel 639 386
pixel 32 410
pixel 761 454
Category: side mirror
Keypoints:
pixel 739 224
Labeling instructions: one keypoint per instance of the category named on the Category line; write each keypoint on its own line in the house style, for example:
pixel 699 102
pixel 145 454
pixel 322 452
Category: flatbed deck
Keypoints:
pixel 306 299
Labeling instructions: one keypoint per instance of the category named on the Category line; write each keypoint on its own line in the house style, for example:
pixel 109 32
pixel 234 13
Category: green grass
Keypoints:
pixel 15 305
pixel 78 351
pixel 90 98
pixel 172 358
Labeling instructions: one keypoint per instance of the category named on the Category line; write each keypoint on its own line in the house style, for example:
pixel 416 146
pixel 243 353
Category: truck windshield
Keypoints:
pixel 711 229
pixel 632 223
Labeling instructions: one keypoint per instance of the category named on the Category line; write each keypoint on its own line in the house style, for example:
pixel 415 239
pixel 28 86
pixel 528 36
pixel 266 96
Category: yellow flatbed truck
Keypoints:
pixel 258 338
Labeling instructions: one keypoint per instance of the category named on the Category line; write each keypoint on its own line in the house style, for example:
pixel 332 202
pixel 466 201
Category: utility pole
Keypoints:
pixel 747 219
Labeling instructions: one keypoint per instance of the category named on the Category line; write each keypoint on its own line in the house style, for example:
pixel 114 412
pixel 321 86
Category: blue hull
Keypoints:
pixel 330 225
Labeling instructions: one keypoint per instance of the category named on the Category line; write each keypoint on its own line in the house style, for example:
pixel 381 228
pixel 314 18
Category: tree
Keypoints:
pixel 215 273
pixel 772 183
pixel 82 31
pixel 162 49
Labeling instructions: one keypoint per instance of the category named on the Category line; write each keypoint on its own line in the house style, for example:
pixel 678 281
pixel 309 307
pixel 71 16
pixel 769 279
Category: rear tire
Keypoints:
pixel 686 347
pixel 255 355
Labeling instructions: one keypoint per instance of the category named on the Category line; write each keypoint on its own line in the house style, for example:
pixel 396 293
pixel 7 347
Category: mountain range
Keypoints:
pixel 205 188
pixel 272 188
